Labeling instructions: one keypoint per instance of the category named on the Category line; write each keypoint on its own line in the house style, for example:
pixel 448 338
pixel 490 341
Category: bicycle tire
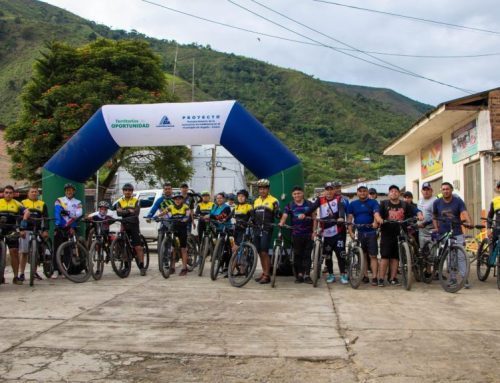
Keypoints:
pixel 206 247
pixel 47 256
pixel 192 252
pixel 276 262
pixel 3 255
pixel 90 237
pixel 217 258
pixel 405 266
pixel 85 262
pixel 32 253
pixel 483 266
pixel 357 264
pixel 145 251
pixel 97 257
pixel 120 260
pixel 416 267
pixel 448 257
pixel 316 254
pixel 248 260
pixel 165 256
pixel 428 251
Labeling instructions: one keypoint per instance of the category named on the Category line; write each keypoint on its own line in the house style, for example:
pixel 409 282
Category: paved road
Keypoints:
pixel 190 329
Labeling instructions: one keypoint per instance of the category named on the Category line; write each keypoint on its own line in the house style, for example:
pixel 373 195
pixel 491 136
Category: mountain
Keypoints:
pixel 331 126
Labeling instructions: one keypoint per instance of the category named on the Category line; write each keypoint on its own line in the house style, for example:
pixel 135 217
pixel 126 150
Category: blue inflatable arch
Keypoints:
pixel 220 122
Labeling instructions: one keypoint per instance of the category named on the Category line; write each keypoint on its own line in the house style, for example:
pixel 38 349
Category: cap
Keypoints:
pixel 372 191
pixel 184 185
pixel 362 186
pixel 426 185
pixel 394 187
pixel 408 194
pixel 329 185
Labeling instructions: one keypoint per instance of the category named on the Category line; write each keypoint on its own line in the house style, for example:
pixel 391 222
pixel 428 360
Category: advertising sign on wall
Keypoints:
pixel 464 142
pixel 431 159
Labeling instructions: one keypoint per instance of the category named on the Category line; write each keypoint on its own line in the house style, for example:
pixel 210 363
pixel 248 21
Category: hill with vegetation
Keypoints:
pixel 332 127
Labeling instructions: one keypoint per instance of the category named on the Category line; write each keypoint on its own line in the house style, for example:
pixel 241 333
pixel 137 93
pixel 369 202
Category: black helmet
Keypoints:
pixel 230 196
pixel 104 204
pixel 128 186
pixel 177 195
pixel 69 185
pixel 244 192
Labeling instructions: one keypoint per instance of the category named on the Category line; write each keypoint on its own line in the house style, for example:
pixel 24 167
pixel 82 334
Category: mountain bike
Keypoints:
pixel 7 231
pixel 123 253
pixel 222 248
pixel 487 258
pixel 355 259
pixel 243 262
pixel 317 251
pixel 99 247
pixel 40 249
pixel 279 253
pixel 72 257
pixel 207 245
pixel 169 249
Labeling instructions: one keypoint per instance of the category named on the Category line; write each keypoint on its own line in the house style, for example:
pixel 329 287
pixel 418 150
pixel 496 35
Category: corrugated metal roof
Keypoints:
pixel 382 184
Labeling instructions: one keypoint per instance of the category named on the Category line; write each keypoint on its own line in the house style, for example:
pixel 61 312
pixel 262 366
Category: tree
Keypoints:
pixel 67 87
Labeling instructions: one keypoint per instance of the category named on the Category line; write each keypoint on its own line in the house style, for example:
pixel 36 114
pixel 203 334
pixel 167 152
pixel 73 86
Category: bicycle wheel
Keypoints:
pixel 165 256
pixel 3 255
pixel 192 252
pixel 217 258
pixel 428 254
pixel 276 261
pixel 405 266
pixel 416 266
pixel 206 248
pixel 242 264
pixel 33 260
pixel 74 262
pixel 46 256
pixel 454 269
pixel 120 260
pixel 316 270
pixel 90 237
pixel 96 253
pixel 145 250
pixel 356 266
pixel 483 265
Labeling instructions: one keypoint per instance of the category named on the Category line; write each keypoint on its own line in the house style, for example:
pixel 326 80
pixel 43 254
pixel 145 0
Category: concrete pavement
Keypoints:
pixel 191 329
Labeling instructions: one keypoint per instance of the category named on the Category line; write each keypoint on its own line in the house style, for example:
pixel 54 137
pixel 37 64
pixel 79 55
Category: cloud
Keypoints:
pixel 364 30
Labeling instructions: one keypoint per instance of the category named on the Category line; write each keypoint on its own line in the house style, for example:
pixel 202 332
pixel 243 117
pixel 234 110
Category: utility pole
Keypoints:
pixel 192 84
pixel 175 68
pixel 212 168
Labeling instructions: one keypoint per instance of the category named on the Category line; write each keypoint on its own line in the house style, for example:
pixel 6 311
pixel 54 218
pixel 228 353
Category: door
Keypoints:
pixel 473 186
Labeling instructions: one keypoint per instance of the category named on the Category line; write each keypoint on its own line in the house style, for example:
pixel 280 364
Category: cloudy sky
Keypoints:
pixel 334 26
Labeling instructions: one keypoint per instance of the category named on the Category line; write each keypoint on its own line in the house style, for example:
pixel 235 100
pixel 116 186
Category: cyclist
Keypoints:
pixel 396 210
pixel 302 213
pixel 221 212
pixel 494 215
pixel 365 211
pixel 102 215
pixel 425 205
pixel 266 210
pixel 181 214
pixel 10 209
pixel 202 211
pixel 38 209
pixel 161 203
pixel 331 206
pixel 242 215
pixel 448 213
pixel 128 208
pixel 372 193
pixel 67 210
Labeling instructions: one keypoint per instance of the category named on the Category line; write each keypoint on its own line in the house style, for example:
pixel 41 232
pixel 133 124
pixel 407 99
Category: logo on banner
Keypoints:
pixel 201 121
pixel 129 124
pixel 165 123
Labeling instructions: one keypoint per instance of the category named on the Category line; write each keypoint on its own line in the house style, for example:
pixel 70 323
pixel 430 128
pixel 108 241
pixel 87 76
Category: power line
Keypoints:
pixel 391 66
pixel 456 26
pixel 320 44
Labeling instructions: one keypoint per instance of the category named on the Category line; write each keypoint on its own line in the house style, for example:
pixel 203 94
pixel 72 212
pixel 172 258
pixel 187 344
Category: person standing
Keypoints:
pixel 425 205
pixel 221 213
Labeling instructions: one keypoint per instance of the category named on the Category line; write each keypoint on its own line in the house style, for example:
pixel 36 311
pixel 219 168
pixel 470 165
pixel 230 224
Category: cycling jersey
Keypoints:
pixel 494 213
pixel 132 218
pixel 204 208
pixel 98 217
pixel 11 207
pixel 222 214
pixel 243 211
pixel 37 208
pixel 73 209
pixel 161 203
pixel 333 209
pixel 265 209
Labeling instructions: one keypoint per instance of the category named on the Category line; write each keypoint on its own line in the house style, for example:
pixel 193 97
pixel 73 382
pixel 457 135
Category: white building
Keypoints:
pixel 457 142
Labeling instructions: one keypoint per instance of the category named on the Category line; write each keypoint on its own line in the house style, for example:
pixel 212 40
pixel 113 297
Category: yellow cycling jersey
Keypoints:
pixel 12 206
pixel 204 208
pixel 34 206
pixel 128 203
pixel 178 211
pixel 269 203
pixel 243 210
pixel 496 204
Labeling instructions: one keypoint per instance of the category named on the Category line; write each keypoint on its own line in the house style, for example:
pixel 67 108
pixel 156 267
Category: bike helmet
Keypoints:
pixel 177 195
pixel 244 192
pixel 104 204
pixel 69 186
pixel 263 182
pixel 128 186
pixel 230 196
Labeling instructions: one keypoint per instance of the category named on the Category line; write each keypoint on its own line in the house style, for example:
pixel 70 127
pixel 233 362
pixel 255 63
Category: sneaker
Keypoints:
pixel 381 283
pixel 21 278
pixel 427 275
pixel 308 280
pixel 225 274
pixel 17 281
pixel 53 276
pixel 183 273
pixel 38 277
pixel 330 278
pixel 344 279
pixel 395 282
pixel 374 282
pixel 299 279
pixel 143 272
pixel 452 283
pixel 366 280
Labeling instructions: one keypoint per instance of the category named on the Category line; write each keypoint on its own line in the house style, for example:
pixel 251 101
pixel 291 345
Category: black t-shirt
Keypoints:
pixel 394 212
